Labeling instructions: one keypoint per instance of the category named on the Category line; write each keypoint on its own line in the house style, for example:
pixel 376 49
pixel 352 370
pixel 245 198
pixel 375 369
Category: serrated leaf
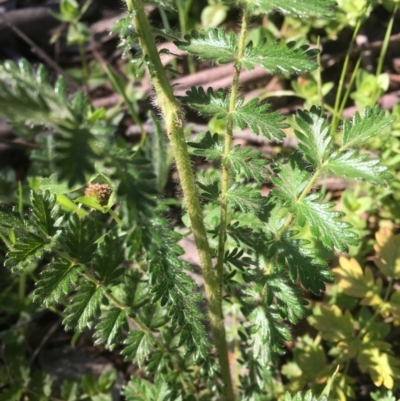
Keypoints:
pixel 388 248
pixel 300 8
pixel 324 223
pixel 211 44
pixel 45 211
pixel 268 334
pixel 248 162
pixel 207 103
pixel 208 146
pixel 288 298
pixel 246 198
pixel 56 281
pixel 291 178
pixel 352 164
pixel 29 248
pixel 304 263
pixel 254 115
pixel 314 136
pixel 358 283
pixel 279 57
pixel 107 260
pixel 75 155
pixel 109 330
pixel 364 126
pixel 138 346
pixel 80 237
pixel 84 307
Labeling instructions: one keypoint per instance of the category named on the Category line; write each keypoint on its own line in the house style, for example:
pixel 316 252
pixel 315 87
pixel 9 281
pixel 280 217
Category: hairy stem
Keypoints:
pixel 227 150
pixel 175 129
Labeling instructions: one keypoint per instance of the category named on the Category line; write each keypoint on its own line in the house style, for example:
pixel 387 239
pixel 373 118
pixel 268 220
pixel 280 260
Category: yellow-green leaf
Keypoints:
pixel 388 249
pixel 358 283
pixel 333 325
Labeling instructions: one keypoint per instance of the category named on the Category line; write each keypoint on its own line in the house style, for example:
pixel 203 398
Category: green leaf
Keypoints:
pixel 248 162
pixel 352 164
pixel 126 34
pixel 207 103
pixel 291 178
pixel 304 263
pixel 364 126
pixel 208 146
pixel 254 115
pixel 75 155
pixel 213 44
pixel 139 389
pixel 268 334
pixel 80 237
pixel 300 8
pixel 29 248
pixel 138 346
pixel 246 198
pixel 84 307
pixel 107 260
pixel 279 57
pixel 56 281
pixel 315 140
pixel 45 212
pixel 110 328
pixel 288 298
pixel 325 224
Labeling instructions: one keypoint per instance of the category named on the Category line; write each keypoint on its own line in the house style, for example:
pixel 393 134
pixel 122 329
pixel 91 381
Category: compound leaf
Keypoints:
pixel 300 8
pixel 109 330
pixel 255 116
pixel 56 281
pixel 84 307
pixel 325 224
pixel 364 126
pixel 213 44
pixel 315 140
pixel 248 162
pixel 352 164
pixel 207 103
pixel 279 57
pixel 138 346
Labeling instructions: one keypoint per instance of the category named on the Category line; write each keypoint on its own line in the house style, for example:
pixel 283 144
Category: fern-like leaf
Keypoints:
pixel 246 198
pixel 352 164
pixel 213 44
pixel 279 57
pixel 56 281
pixel 45 212
pixel 80 236
pixel 110 328
pixel 364 126
pixel 301 8
pixel 291 179
pixel 288 298
pixel 304 263
pixel 207 103
pixel 107 261
pixel 208 146
pixel 84 307
pixel 325 224
pixel 254 115
pixel 138 346
pixel 248 162
pixel 29 248
pixel 314 136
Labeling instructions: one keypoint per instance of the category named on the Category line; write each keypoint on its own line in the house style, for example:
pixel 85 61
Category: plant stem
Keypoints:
pixel 386 41
pixel 175 129
pixel 227 150
pixel 336 115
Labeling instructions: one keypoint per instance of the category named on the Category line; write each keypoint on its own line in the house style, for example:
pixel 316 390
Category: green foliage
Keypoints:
pixel 114 264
